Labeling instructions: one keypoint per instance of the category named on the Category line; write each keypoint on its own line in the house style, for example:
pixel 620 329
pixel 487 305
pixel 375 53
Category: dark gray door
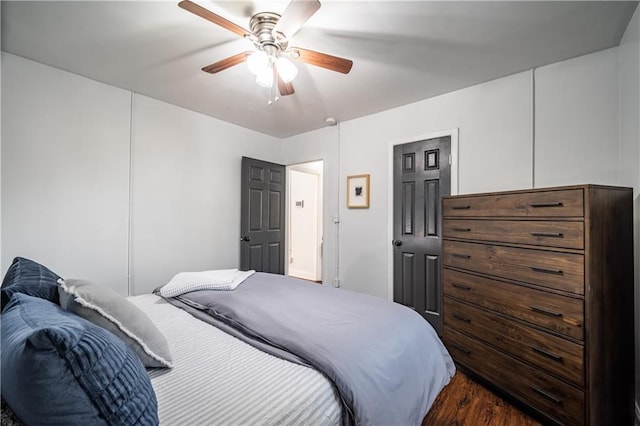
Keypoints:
pixel 262 216
pixel 421 175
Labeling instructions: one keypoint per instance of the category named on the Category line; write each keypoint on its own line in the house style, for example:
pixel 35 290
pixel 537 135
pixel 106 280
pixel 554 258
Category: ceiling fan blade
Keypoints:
pixel 323 60
pixel 212 17
pixel 285 89
pixel 295 15
pixel 226 63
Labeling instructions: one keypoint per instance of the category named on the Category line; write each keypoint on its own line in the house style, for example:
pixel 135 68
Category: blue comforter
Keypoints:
pixel 386 361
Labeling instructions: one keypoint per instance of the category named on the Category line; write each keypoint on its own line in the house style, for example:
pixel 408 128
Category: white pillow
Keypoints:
pixel 221 279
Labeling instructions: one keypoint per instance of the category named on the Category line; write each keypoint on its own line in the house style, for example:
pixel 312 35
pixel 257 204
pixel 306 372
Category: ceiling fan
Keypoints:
pixel 270 34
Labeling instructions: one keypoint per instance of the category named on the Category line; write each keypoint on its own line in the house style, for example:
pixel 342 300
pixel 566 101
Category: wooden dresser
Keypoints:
pixel 538 298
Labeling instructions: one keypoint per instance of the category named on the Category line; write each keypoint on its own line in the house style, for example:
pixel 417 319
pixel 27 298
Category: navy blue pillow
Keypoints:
pixel 58 368
pixel 29 277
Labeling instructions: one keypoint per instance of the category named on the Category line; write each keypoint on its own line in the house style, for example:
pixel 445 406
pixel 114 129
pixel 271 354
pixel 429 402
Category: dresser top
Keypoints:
pixel 546 189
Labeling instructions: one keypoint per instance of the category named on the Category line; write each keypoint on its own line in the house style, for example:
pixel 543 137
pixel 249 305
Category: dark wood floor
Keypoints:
pixel 465 402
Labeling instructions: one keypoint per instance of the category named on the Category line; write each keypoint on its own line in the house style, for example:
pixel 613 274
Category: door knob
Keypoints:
pixel 397 243
pixel 245 238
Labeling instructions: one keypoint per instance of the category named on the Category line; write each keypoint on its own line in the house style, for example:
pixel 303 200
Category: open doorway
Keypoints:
pixel 304 213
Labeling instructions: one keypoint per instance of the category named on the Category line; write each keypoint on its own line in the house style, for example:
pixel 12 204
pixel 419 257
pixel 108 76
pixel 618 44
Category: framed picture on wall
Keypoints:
pixel 358 192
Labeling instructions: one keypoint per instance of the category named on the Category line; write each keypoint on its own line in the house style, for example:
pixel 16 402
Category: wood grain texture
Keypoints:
pixel 284 88
pixel 609 315
pixel 558 202
pixel 323 60
pixel 464 402
pixel 554 312
pixel 226 63
pixel 574 305
pixel 560 402
pixel 543 350
pixel 567 234
pixel 562 271
pixel 196 9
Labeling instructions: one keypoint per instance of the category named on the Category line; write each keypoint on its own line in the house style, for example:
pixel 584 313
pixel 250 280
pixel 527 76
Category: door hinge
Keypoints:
pixel 449 159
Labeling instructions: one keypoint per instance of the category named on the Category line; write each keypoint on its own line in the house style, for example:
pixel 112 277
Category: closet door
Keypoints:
pixel 422 174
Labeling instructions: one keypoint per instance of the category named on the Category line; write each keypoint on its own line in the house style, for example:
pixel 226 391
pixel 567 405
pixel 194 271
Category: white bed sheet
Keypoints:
pixel 220 380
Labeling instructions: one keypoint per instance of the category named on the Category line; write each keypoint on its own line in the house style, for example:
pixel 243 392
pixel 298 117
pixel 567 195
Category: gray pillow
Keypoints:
pixel 113 312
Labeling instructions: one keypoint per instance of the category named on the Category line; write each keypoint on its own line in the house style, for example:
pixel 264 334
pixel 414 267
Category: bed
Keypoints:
pixel 253 387
pixel 231 364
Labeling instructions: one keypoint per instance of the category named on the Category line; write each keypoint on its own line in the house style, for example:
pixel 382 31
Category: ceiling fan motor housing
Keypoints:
pixel 262 25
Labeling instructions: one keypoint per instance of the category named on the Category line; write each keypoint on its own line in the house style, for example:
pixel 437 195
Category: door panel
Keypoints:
pixel 262 216
pixel 408 269
pixel 408 198
pixel 255 210
pixel 275 211
pixel 422 175
pixel 275 250
pixel 432 274
pixel 255 257
pixel 432 199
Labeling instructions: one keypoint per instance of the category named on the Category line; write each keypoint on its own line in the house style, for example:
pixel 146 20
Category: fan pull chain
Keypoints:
pixel 273 94
pixel 273 89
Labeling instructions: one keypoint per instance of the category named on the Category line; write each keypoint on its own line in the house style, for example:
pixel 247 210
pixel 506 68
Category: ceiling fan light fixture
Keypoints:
pixel 265 78
pixel 258 62
pixel 286 69
pixel 270 34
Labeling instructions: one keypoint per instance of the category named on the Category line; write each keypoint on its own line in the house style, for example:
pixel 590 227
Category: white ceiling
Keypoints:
pixel 402 51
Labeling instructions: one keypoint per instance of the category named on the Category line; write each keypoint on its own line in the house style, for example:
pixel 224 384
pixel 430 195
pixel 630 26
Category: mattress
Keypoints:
pixel 218 379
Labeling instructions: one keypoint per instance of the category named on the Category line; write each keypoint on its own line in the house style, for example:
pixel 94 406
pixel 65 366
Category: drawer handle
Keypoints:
pixel 547 395
pixel 461 256
pixel 462 318
pixel 541 205
pixel 461 207
pixel 461 229
pixel 461 287
pixel 547 271
pixel 547 353
pixel 545 311
pixel 548 234
pixel 461 349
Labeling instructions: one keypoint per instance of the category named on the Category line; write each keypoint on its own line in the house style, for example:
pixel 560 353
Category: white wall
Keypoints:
pixel 576 141
pixel 629 110
pixel 494 122
pixel 186 191
pixel 68 144
pixel 65 156
pixel 576 116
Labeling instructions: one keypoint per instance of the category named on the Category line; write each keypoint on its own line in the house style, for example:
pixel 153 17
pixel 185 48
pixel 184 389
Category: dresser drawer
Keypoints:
pixel 553 397
pixel 561 203
pixel 563 234
pixel 554 354
pixel 564 315
pixel 562 271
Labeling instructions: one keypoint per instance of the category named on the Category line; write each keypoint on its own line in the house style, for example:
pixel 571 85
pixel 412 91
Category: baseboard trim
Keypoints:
pixel 302 274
